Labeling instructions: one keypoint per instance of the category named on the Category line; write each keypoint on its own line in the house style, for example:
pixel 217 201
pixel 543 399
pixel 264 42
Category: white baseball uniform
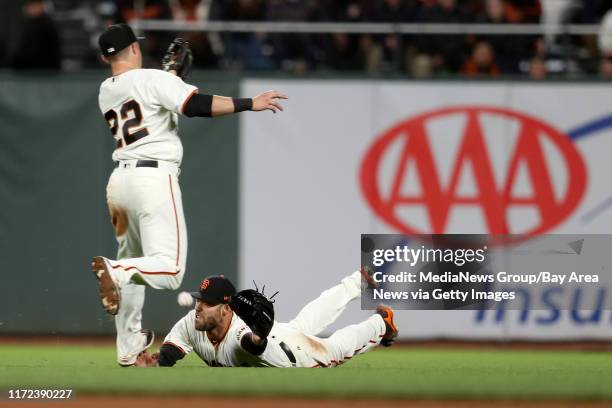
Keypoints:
pixel 292 344
pixel 142 107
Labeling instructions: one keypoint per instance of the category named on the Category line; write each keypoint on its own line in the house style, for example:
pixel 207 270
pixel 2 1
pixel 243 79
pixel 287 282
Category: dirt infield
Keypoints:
pixel 182 402
pixel 105 340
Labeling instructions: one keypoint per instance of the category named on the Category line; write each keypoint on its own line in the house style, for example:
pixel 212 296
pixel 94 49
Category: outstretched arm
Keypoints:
pixel 167 356
pixel 177 345
pixel 215 105
pixel 257 312
pixel 268 100
pixel 177 61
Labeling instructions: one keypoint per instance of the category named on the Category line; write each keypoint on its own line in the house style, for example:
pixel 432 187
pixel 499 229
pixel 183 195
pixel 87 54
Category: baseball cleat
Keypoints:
pixel 391 333
pixel 109 292
pixel 366 274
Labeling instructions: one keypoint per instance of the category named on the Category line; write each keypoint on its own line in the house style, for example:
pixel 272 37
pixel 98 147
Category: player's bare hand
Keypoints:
pixel 268 101
pixel 145 359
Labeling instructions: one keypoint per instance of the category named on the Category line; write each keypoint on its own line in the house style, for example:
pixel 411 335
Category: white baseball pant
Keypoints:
pixel 146 209
pixel 311 351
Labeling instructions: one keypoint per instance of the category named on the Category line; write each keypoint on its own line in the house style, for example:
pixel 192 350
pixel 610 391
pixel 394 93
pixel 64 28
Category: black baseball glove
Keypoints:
pixel 255 309
pixel 178 58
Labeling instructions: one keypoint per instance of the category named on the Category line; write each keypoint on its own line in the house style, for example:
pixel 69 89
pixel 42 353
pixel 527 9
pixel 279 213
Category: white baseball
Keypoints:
pixel 184 299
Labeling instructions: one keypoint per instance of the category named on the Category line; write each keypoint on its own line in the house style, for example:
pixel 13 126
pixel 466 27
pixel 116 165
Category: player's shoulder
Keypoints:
pixel 158 79
pixel 137 75
pixel 146 75
pixel 126 78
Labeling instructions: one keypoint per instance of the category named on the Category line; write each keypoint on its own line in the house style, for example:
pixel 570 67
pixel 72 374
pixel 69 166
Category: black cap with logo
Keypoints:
pixel 215 290
pixel 115 38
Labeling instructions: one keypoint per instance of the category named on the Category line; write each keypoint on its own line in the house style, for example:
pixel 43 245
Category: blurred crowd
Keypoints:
pixel 416 55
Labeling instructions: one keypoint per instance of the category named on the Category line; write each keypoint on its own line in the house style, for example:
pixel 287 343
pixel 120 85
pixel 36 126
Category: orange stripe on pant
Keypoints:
pixel 147 273
pixel 178 237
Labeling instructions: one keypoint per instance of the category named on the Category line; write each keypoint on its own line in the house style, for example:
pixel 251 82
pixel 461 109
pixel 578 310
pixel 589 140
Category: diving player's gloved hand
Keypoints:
pixel 255 309
pixel 178 58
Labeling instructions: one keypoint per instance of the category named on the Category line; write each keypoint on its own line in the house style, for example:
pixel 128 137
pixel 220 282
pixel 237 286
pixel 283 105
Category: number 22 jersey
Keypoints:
pixel 141 107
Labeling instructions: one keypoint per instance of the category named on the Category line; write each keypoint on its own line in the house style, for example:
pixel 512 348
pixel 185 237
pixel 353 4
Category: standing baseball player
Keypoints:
pixel 238 329
pixel 141 107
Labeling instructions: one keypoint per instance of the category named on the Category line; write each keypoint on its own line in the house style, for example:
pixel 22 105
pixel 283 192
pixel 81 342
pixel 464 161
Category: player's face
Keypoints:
pixel 207 317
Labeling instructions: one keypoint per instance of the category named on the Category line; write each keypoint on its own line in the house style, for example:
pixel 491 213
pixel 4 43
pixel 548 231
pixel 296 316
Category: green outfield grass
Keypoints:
pixel 384 373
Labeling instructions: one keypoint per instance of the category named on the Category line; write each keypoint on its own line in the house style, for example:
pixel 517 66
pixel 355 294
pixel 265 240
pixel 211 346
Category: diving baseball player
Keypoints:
pixel 141 107
pixel 238 329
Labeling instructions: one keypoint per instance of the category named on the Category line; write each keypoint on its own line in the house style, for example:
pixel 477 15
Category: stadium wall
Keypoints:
pixel 299 189
pixel 340 159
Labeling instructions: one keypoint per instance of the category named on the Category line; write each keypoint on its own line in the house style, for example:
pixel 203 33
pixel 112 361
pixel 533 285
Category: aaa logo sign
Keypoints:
pixel 535 158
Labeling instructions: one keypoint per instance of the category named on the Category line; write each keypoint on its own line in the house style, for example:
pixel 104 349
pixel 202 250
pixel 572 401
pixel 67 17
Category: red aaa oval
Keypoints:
pixel 492 199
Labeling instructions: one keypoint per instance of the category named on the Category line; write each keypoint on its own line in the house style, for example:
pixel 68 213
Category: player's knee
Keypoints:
pixel 173 285
pixel 175 282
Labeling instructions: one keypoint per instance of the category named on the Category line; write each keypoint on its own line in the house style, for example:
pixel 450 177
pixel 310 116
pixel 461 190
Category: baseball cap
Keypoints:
pixel 215 290
pixel 115 38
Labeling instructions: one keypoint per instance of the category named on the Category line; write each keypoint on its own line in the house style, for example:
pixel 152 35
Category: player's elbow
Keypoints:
pixel 198 105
